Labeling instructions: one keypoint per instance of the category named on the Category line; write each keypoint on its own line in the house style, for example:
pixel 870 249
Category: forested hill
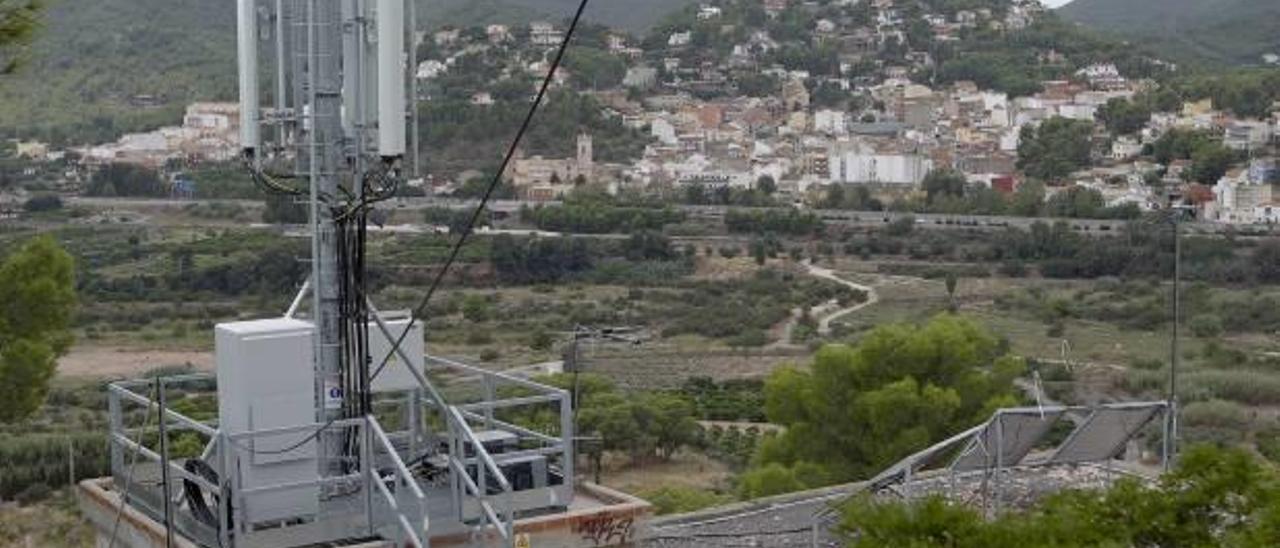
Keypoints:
pixel 94 58
pixel 1235 31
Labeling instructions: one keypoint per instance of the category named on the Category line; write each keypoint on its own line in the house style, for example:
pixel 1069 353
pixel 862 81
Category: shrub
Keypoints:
pixel 489 354
pixel 1147 364
pixel 679 499
pixel 47 202
pixel 1216 414
pixel 1013 269
pixel 34 493
pixel 479 337
pixel 1206 326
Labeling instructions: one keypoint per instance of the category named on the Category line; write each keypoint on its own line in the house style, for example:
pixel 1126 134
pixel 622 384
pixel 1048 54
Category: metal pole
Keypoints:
pixel 164 463
pixel 325 135
pixel 413 87
pixel 1171 441
pixel 282 102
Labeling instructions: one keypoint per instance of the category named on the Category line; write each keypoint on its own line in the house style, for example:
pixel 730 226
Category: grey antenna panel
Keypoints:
pixel 1104 434
pixel 1017 431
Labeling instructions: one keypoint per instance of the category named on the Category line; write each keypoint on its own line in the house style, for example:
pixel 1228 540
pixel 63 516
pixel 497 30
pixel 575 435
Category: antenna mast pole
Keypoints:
pixel 323 134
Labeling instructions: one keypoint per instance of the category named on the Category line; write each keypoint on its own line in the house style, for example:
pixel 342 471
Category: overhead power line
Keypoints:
pixel 421 309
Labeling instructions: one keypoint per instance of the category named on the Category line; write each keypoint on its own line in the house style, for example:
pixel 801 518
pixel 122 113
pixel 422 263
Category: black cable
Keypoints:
pixel 290 448
pixel 488 194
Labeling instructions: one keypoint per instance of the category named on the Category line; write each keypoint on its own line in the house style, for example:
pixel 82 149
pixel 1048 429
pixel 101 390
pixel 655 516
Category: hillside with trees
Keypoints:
pixel 101 68
pixel 1233 31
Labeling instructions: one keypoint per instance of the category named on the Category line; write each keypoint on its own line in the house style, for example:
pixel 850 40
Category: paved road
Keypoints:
pixel 841 217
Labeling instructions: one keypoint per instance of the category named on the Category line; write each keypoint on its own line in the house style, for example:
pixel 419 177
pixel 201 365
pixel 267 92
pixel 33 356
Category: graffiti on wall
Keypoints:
pixel 606 530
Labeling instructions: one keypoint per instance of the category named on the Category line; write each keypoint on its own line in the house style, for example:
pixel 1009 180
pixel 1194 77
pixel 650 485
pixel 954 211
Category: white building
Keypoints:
pixel 831 122
pixel 859 163
pixel 431 69
pixel 664 132
pixel 1237 200
pixel 1125 147
pixel 542 33
pixel 1246 135
pixel 680 39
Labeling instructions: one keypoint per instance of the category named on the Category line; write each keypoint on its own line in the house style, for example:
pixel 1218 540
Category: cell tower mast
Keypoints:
pixel 341 120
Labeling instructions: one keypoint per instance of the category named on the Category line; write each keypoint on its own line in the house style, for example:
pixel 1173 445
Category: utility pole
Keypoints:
pixel 1171 432
pixel 573 362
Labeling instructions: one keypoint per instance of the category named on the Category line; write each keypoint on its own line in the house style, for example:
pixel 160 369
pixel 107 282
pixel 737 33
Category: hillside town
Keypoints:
pixel 870 119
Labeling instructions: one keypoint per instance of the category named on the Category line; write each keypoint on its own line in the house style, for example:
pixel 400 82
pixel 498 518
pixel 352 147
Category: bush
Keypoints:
pixel 680 499
pixel 47 202
pixel 1147 364
pixel 1206 326
pixel 541 340
pixel 1013 269
pixel 34 493
pixel 479 337
pixel 1216 414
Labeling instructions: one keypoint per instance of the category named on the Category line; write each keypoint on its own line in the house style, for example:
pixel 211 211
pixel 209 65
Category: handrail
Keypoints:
pixel 395 507
pixel 153 456
pixel 470 485
pixel 168 413
pixel 541 388
pixel 395 458
pixel 504 425
pixel 512 402
pixel 478 447
pixel 405 477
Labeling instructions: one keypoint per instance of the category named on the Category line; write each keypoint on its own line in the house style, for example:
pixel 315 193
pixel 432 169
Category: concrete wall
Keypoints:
pixel 620 520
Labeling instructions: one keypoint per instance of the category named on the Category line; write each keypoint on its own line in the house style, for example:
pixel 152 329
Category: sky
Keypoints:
pixel 1055 3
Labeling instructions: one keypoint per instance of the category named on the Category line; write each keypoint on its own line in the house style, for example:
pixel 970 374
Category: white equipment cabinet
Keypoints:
pixel 266 380
pixel 395 376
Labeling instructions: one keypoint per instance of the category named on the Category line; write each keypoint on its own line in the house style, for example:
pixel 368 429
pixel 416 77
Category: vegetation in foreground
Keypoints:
pixel 1215 497
pixel 859 409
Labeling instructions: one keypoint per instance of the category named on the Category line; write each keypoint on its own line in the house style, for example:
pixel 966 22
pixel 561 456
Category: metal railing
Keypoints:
pixel 399 510
pixel 461 439
pixel 406 515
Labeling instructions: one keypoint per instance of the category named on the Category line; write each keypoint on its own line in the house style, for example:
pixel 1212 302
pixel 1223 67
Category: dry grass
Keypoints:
pixel 686 469
pixel 50 524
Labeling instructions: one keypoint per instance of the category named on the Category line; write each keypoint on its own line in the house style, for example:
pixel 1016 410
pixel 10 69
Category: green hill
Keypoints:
pixel 1212 31
pixel 96 58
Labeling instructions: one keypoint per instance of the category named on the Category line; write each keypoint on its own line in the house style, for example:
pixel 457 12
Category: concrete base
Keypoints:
pixel 599 517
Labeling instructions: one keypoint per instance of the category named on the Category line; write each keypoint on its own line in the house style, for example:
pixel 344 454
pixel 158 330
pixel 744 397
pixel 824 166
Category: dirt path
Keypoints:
pixel 824 323
pixel 826 312
pixel 100 361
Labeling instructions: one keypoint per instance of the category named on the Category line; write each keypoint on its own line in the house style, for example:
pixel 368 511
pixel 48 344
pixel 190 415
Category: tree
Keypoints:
pixel 766 185
pixel 1124 117
pixel 1028 200
pixel 19 21
pixel 942 183
pixel 1210 162
pixel 1056 148
pixel 951 281
pixel 44 202
pixel 37 300
pixel 120 179
pixel 1077 202
pixel 903 387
